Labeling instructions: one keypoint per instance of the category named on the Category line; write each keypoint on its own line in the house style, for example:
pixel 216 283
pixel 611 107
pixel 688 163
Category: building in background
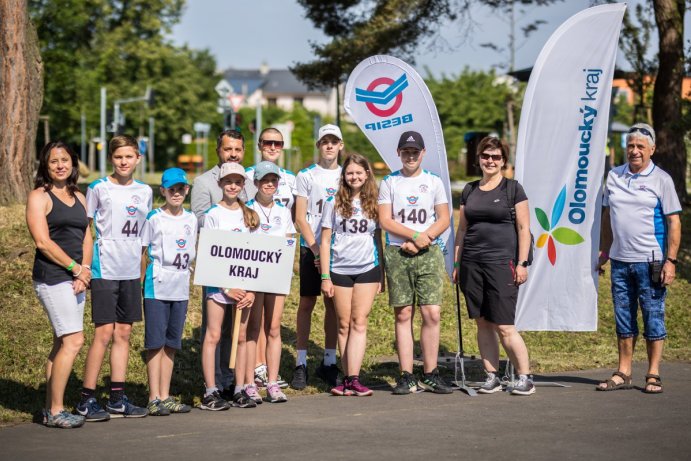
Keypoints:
pixel 280 88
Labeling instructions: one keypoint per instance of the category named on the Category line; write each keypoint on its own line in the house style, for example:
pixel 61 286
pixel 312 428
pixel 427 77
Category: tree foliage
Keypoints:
pixel 121 44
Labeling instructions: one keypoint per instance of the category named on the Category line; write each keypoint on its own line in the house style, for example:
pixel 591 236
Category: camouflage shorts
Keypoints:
pixel 415 279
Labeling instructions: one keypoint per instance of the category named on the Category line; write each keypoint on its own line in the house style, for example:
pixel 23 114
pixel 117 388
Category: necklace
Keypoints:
pixel 267 216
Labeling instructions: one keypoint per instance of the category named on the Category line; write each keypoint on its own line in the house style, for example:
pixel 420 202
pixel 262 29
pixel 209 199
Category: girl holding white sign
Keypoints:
pixel 350 264
pixel 274 219
pixel 230 214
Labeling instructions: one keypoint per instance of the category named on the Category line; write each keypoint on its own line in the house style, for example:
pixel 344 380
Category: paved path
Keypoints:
pixel 555 423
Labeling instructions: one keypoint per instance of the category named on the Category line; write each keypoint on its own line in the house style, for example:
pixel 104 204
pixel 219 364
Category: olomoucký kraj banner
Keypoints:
pixel 386 97
pixel 560 161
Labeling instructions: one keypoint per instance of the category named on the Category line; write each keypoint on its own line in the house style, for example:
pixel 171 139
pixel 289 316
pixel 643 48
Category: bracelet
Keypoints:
pixel 456 264
pixel 326 277
pixel 87 266
pixel 71 266
pixel 604 254
pixel 81 268
pixel 416 235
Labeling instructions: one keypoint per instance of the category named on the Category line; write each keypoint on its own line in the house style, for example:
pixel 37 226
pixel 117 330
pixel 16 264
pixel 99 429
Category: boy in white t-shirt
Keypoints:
pixel 413 210
pixel 315 184
pixel 117 205
pixel 169 237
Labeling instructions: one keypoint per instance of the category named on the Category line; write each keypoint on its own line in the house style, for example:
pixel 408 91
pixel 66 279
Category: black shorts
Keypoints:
pixel 116 301
pixel 310 280
pixel 371 276
pixel 489 290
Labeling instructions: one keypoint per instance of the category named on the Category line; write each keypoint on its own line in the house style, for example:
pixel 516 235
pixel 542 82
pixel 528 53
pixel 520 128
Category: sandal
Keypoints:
pixel 611 385
pixel 656 381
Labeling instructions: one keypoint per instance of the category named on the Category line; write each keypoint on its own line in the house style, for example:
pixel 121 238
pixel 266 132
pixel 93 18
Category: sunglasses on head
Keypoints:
pixel 495 157
pixel 643 131
pixel 271 143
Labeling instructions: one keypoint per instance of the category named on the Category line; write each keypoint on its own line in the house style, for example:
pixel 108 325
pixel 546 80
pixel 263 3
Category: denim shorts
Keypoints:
pixel 631 286
pixel 164 323
pixel 65 309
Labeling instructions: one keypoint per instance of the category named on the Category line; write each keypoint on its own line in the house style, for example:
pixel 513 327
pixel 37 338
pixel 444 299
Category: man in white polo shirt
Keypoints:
pixel 641 231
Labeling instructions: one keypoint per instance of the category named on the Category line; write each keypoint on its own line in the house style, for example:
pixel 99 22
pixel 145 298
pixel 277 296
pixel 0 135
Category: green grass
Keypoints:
pixel 25 334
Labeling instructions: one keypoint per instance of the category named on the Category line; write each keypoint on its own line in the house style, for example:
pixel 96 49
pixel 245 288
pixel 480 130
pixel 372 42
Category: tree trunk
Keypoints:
pixel 670 150
pixel 21 97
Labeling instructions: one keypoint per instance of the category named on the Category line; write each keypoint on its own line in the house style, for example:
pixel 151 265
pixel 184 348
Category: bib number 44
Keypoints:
pixel 130 228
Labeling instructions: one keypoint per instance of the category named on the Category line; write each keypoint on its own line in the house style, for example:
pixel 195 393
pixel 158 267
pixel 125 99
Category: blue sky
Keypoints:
pixel 243 34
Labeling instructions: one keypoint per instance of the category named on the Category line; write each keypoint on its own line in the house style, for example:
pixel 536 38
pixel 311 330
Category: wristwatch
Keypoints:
pixel 673 261
pixel 523 263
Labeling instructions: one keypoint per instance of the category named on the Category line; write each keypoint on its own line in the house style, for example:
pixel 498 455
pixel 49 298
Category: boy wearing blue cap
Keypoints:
pixel 168 238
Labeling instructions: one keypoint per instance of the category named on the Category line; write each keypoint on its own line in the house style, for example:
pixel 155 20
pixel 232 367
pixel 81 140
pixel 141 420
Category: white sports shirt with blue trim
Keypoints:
pixel 220 217
pixel 352 239
pixel 275 220
pixel 285 194
pixel 412 201
pixel 119 213
pixel 638 204
pixel 170 242
pixel 317 185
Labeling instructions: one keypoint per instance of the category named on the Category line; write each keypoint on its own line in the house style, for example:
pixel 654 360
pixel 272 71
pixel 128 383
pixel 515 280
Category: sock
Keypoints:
pixel 302 357
pixel 87 393
pixel 329 357
pixel 238 389
pixel 490 375
pixel 210 390
pixel 117 390
pixel 259 368
pixel 522 377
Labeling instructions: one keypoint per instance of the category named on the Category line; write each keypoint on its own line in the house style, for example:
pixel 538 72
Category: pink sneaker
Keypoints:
pixel 355 387
pixel 341 389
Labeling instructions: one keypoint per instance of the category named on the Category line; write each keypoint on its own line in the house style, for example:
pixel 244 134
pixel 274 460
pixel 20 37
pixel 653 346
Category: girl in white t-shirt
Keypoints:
pixel 350 264
pixel 275 220
pixel 233 215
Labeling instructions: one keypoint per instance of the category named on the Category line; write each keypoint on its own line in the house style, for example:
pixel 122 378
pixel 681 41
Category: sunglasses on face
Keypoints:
pixel 271 143
pixel 643 131
pixel 495 157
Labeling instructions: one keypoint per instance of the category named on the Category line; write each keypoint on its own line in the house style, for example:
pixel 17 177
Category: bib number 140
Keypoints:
pixel 414 216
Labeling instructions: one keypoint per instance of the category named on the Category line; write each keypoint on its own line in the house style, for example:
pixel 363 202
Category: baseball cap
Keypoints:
pixel 329 129
pixel 264 168
pixel 411 139
pixel 232 168
pixel 173 176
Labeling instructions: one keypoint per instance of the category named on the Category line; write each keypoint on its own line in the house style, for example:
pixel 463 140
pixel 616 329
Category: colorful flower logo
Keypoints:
pixel 563 235
pixel 131 210
pixel 181 243
pixel 265 227
pixel 412 199
pixel 331 191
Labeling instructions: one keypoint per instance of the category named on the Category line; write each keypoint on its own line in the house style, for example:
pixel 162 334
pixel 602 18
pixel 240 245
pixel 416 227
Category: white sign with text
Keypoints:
pixel 252 262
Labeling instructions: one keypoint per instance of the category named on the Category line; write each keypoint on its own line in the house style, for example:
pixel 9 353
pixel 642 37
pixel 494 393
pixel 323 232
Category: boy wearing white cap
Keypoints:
pixel 315 184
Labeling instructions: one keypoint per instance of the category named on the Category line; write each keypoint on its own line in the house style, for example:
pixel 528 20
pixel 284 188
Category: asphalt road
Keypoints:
pixel 555 423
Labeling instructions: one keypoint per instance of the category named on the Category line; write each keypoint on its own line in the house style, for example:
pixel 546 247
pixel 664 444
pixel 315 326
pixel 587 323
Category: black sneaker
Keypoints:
pixel 299 381
pixel 432 382
pixel 405 384
pixel 92 411
pixel 242 400
pixel 124 409
pixel 329 374
pixel 214 402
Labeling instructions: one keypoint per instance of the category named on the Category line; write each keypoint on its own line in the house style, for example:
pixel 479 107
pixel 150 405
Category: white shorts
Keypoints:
pixel 65 309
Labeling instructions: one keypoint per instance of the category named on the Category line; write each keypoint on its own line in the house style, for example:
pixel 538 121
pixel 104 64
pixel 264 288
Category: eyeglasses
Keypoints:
pixel 272 143
pixel 643 131
pixel 495 157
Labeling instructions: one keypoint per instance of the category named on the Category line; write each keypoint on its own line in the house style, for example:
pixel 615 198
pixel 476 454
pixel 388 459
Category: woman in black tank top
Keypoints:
pixel 56 216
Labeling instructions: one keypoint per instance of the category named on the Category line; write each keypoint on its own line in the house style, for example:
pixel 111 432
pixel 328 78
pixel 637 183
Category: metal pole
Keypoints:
pixel 116 118
pixel 258 129
pixel 102 153
pixel 83 152
pixel 151 145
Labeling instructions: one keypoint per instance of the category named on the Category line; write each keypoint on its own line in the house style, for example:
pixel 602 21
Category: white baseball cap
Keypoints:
pixel 329 129
pixel 232 168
